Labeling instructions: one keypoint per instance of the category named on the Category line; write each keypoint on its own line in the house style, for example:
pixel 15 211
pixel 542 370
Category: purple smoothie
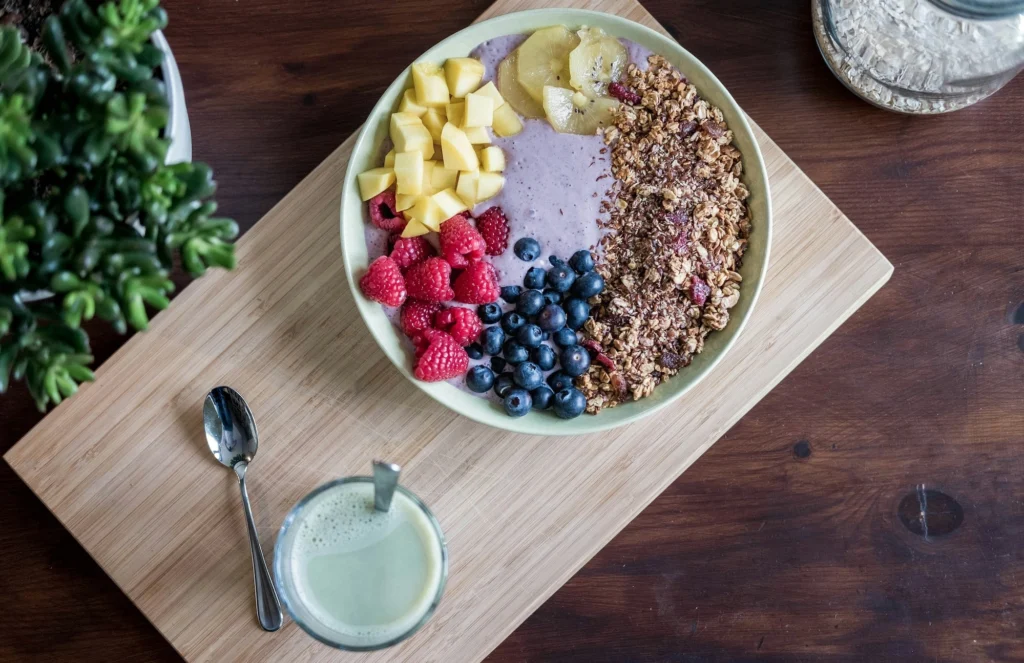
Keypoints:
pixel 637 54
pixel 554 186
pixel 554 182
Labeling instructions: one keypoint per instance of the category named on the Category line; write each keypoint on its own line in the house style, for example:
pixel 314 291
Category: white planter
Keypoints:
pixel 178 129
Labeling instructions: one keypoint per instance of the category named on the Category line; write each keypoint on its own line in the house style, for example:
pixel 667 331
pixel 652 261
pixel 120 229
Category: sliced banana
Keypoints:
pixel 599 60
pixel 515 94
pixel 544 60
pixel 572 112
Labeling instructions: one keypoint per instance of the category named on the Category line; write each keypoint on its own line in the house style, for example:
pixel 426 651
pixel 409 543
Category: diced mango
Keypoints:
pixel 415 228
pixel 410 105
pixel 468 181
pixel 491 91
pixel 456 112
pixel 477 135
pixel 427 212
pixel 374 181
pixel 492 159
pixel 506 122
pixel 488 185
pixel 431 88
pixel 434 120
pixel 463 75
pixel 457 150
pixel 450 203
pixel 404 201
pixel 479 111
pixel 404 118
pixel 412 138
pixel 444 178
pixel 428 178
pixel 389 159
pixel 409 172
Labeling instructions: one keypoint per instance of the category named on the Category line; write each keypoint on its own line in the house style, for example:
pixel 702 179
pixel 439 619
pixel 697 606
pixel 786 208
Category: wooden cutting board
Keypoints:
pixel 124 466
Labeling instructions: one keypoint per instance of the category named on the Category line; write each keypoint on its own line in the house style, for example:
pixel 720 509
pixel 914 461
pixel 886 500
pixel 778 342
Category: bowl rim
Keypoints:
pixel 755 177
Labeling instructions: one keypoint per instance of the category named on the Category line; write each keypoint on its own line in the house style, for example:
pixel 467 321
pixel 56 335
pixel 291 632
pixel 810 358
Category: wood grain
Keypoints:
pixel 922 386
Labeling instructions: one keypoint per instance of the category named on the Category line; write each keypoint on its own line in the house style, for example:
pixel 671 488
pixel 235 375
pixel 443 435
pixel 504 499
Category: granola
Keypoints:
pixel 678 227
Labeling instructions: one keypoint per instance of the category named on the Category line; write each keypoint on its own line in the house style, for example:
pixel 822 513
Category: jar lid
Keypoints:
pixel 981 9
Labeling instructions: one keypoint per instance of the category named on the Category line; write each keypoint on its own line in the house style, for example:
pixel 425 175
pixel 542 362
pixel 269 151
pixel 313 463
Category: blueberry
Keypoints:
pixel 518 402
pixel 530 302
pixel 565 337
pixel 552 297
pixel 560 277
pixel 576 313
pixel 514 353
pixel 529 336
pixel 569 403
pixel 489 313
pixel 542 396
pixel 480 379
pixel 475 351
pixel 582 261
pixel 527 249
pixel 498 364
pixel 534 278
pixel 588 285
pixel 510 293
pixel 559 381
pixel 555 260
pixel 546 336
pixel 492 338
pixel 503 384
pixel 575 360
pixel 551 318
pixel 528 375
pixel 511 321
pixel 543 356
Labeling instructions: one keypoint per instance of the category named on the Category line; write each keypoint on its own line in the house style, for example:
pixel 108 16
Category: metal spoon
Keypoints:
pixel 231 436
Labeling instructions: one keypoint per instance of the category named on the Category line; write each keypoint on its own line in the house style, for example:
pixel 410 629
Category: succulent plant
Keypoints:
pixel 89 211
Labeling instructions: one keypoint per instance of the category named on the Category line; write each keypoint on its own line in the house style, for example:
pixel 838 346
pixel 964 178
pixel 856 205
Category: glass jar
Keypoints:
pixel 921 56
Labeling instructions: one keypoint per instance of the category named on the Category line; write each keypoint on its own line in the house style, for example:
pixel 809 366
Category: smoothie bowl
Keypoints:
pixel 556 221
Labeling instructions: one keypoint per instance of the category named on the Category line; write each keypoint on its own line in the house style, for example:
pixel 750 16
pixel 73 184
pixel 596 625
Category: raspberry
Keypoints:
pixel 625 94
pixel 699 290
pixel 417 316
pixel 383 213
pixel 461 244
pixel 383 282
pixel 443 319
pixel 429 280
pixel 462 323
pixel 493 227
pixel 409 251
pixel 477 284
pixel 442 359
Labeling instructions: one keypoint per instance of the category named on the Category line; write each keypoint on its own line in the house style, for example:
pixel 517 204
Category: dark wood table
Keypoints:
pixel 799 535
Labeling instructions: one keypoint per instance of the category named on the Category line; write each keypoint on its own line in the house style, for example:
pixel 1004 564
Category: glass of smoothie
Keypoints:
pixel 355 577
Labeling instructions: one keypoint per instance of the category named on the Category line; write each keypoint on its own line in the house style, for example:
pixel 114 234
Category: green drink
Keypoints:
pixel 357 578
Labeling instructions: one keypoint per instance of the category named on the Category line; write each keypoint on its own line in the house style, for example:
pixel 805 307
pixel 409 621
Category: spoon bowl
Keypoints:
pixel 230 428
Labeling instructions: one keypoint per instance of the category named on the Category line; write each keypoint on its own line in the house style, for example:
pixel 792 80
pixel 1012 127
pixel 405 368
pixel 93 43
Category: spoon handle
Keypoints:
pixel 268 607
pixel 385 480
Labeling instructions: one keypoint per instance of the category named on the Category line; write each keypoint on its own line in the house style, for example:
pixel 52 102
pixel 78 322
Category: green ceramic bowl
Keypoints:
pixel 755 261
